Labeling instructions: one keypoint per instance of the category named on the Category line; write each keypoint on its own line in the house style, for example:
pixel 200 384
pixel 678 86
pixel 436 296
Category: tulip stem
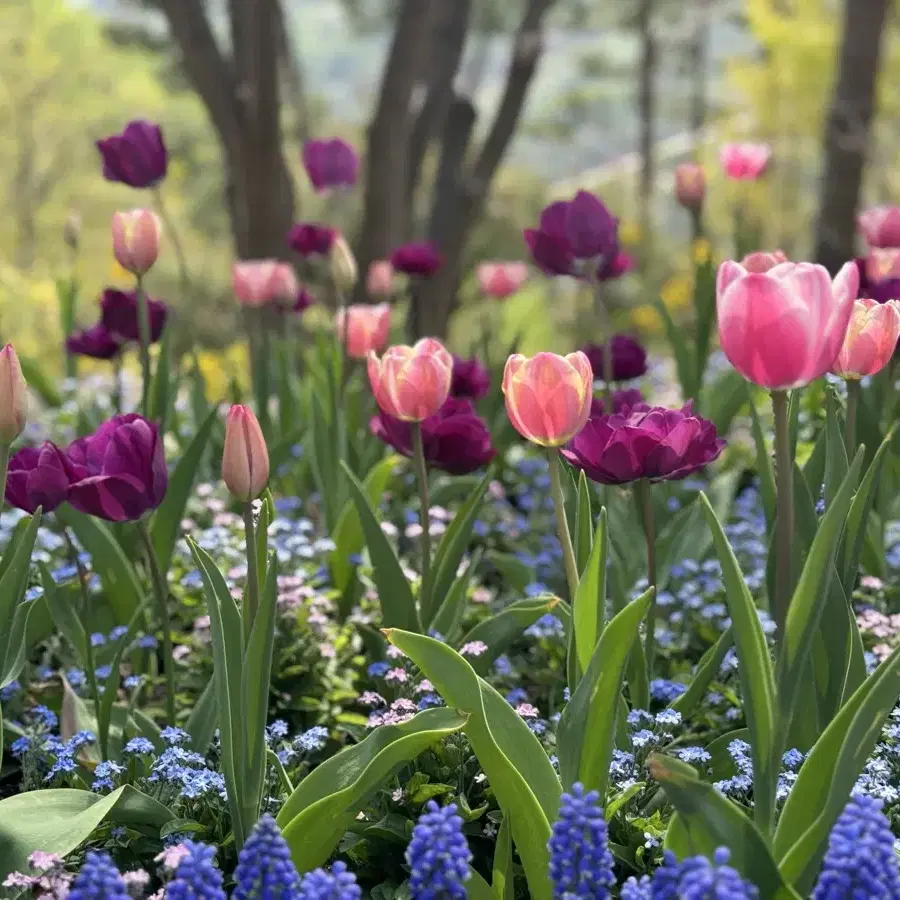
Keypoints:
pixel 117 384
pixel 608 376
pixel 784 512
pixel 251 599
pixel 4 467
pixel 144 341
pixel 343 336
pixel 161 595
pixel 424 516
pixel 645 504
pixel 850 421
pixel 183 276
pixel 562 524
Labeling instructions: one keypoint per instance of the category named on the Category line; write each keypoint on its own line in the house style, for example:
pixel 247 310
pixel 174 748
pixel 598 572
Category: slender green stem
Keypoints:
pixel 172 233
pixel 144 341
pixel 161 595
pixel 645 502
pixel 345 342
pixel 117 384
pixel 784 511
pixel 4 466
pixel 562 524
pixel 600 310
pixel 424 515
pixel 251 598
pixel 850 421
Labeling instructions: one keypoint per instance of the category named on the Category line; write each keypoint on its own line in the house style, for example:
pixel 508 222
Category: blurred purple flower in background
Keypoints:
pixel 330 164
pixel 311 239
pixel 417 258
pixel 136 157
pixel 97 342
pixel 119 315
pixel 629 358
pixel 470 378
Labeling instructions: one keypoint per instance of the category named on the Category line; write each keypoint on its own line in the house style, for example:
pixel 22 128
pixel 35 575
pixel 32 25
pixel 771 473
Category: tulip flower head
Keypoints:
pixel 245 458
pixel 471 379
pixel 745 162
pixel 883 264
pixel 880 226
pixel 501 279
pixel 311 239
pixel 548 397
pixel 330 164
pixel 629 358
pixel 257 283
pixel 13 396
pixel 762 260
pixel 367 330
pixel 136 237
pixel 380 278
pixel 136 157
pixel 421 259
pixel 783 328
pixel 96 342
pixel 690 185
pixel 38 476
pixel 119 315
pixel 343 265
pixel 411 383
pixel 870 339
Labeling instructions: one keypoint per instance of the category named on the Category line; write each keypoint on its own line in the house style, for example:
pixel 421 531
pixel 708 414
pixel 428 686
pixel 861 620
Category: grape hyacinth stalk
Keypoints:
pixel 197 877
pixel 99 879
pixel 265 869
pixel 438 855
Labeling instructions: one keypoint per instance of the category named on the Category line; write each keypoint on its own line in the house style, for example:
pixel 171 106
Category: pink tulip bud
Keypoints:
pixel 745 162
pixel 136 237
pixel 883 263
pixel 762 261
pixel 870 339
pixel 784 328
pixel 368 328
pixel 690 185
pixel 259 282
pixel 12 396
pixel 548 397
pixel 380 278
pixel 411 383
pixel 880 226
pixel 245 458
pixel 501 279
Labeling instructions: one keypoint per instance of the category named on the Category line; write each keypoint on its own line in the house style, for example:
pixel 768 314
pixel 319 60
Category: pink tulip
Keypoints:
pixel 690 185
pixel 411 383
pixel 12 396
pixel 762 260
pixel 368 328
pixel 245 457
pixel 136 237
pixel 880 226
pixel 745 162
pixel 380 278
pixel 883 263
pixel 783 328
pixel 870 340
pixel 258 282
pixel 501 279
pixel 548 397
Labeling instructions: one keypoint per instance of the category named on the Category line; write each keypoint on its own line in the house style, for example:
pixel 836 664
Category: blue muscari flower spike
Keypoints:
pixel 696 878
pixel 438 855
pixel 338 884
pixel 196 877
pixel 860 860
pixel 98 879
pixel 635 889
pixel 265 870
pixel 580 859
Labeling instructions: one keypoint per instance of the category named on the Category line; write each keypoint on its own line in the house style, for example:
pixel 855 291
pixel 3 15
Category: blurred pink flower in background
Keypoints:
pixel 380 278
pixel 870 339
pixel 501 279
pixel 880 226
pixel 745 161
pixel 262 281
pixel 690 185
pixel 368 328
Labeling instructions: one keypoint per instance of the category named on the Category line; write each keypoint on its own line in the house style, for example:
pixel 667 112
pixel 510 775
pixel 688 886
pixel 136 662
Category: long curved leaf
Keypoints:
pixel 706 671
pixel 589 603
pixel 13 584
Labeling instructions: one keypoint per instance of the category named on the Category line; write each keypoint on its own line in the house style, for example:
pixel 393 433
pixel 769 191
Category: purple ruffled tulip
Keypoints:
pixel 119 315
pixel 38 476
pixel 629 358
pixel 656 443
pixel 454 439
pixel 470 378
pixel 119 472
pixel 880 291
pixel 624 403
pixel 572 231
pixel 311 239
pixel 417 258
pixel 97 342
pixel 136 157
pixel 330 164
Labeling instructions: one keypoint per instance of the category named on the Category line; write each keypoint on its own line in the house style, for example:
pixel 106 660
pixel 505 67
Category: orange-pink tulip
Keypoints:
pixel 762 260
pixel 136 237
pixel 548 397
pixel 690 185
pixel 368 328
pixel 501 279
pixel 883 263
pixel 245 458
pixel 745 162
pixel 880 226
pixel 258 282
pixel 870 340
pixel 412 383
pixel 380 278
pixel 12 396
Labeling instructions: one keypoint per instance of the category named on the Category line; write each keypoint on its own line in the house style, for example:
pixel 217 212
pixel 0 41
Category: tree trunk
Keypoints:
pixel 699 70
pixel 647 111
pixel 846 138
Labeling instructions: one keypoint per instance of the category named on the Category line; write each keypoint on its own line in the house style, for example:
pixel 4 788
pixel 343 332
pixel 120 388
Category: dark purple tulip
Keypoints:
pixel 880 291
pixel 98 342
pixel 119 315
pixel 470 378
pixel 629 358
pixel 304 301
pixel 136 157
pixel 655 443
pixel 311 239
pixel 38 476
pixel 624 403
pixel 417 258
pixel 119 472
pixel 454 439
pixel 330 164
pixel 619 265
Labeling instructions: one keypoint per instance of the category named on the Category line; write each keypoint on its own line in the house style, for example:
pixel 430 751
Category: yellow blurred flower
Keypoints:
pixel 700 251
pixel 117 273
pixel 676 292
pixel 220 368
pixel 629 233
pixel 646 319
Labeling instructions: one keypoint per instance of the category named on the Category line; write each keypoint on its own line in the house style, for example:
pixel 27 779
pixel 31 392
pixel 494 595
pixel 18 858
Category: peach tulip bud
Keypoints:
pixel 870 340
pixel 411 383
pixel 12 396
pixel 245 458
pixel 136 237
pixel 368 328
pixel 880 226
pixel 380 278
pixel 784 328
pixel 883 263
pixel 343 265
pixel 548 397
pixel 690 185
pixel 763 260
pixel 259 282
pixel 745 162
pixel 501 279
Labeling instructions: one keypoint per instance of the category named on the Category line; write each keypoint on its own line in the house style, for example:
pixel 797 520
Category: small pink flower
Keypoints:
pixel 501 279
pixel 473 648
pixel 172 856
pixel 880 226
pixel 690 185
pixel 371 698
pixel 745 162
pixel 870 339
pixel 411 383
pixel 380 278
pixel 396 676
pixel 368 328
pixel 527 711
pixel 262 281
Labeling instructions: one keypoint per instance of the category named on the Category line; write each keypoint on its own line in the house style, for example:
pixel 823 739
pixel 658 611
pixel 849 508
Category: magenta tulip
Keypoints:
pixel 38 476
pixel 471 379
pixel 311 239
pixel 330 164
pixel 96 342
pixel 745 162
pixel 119 315
pixel 136 157
pixel 421 259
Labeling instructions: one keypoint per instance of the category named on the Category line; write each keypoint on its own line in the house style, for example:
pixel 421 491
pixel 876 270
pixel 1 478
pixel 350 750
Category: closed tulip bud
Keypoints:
pixel 412 383
pixel 690 185
pixel 367 328
pixel 870 339
pixel 12 396
pixel 343 265
pixel 136 237
pixel 380 278
pixel 245 459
